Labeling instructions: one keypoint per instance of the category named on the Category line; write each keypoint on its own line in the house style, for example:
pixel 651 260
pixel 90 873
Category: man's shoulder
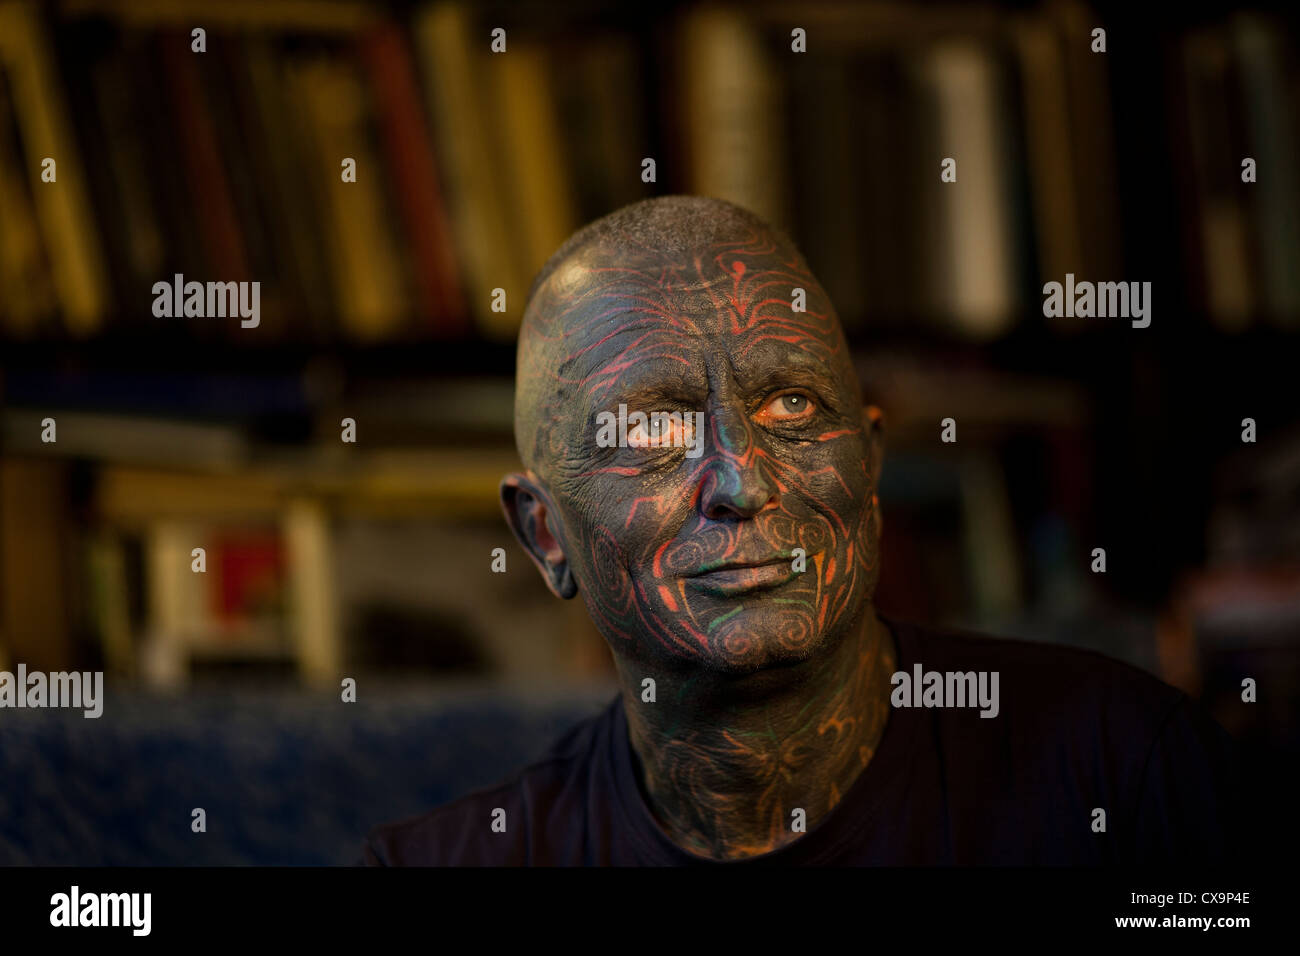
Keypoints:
pixel 490 826
pixel 1044 681
pixel 1089 731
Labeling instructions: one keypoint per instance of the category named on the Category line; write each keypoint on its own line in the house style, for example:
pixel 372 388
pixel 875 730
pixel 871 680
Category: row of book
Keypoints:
pixel 1057 161
pixel 473 166
pixel 227 165
pixel 1239 88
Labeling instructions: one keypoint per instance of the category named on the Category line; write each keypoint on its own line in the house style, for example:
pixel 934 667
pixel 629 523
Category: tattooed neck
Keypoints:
pixel 724 771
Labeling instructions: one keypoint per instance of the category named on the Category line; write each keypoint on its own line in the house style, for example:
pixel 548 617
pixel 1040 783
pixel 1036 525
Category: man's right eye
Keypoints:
pixel 661 432
pixel 787 407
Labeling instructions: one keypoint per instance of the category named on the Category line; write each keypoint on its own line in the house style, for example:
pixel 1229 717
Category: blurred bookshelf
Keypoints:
pixel 473 167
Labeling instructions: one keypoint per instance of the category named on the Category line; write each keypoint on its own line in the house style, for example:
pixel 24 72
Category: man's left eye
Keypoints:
pixel 788 408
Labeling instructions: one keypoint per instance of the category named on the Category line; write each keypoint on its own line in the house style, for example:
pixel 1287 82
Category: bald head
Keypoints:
pixel 669 225
pixel 653 257
pixel 690 547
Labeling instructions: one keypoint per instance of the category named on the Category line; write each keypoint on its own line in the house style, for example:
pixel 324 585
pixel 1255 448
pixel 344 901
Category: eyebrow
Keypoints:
pixel 645 393
pixel 654 380
pixel 775 375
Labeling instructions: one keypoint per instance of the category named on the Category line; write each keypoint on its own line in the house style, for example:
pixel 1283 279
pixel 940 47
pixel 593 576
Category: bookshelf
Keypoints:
pixel 473 166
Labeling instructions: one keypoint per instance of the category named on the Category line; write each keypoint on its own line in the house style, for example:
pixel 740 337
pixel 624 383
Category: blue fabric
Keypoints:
pixel 285 778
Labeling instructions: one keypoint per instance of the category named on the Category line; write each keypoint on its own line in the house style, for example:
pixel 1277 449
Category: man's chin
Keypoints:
pixel 750 652
pixel 739 639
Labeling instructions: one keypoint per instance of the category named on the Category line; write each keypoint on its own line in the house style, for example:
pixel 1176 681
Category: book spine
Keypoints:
pixel 408 151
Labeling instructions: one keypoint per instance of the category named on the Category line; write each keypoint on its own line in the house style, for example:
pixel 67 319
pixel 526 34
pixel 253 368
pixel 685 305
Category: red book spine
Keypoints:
pixel 213 202
pixel 410 156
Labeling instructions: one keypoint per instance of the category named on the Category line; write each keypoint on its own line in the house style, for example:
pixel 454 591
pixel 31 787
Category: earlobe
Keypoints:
pixel 873 425
pixel 524 503
pixel 873 420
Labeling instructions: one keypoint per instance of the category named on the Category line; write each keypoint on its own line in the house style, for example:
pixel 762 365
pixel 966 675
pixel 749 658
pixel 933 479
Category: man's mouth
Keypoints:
pixel 728 578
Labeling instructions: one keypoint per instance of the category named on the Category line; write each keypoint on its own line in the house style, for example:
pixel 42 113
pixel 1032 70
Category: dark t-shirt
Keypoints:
pixel 1075 732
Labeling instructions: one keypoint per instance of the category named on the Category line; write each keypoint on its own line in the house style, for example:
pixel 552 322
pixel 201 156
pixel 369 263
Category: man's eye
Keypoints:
pixel 660 432
pixel 790 407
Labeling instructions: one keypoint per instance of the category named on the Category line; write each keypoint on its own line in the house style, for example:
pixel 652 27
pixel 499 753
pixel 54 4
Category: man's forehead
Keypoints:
pixel 606 308
pixel 633 346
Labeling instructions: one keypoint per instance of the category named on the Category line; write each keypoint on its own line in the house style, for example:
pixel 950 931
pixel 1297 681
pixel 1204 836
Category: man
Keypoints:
pixel 727 546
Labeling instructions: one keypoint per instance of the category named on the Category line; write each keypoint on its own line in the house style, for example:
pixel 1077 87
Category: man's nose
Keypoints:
pixel 737 481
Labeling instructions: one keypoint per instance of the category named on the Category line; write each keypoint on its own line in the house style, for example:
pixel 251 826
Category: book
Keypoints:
pixel 1221 264
pixel 537 179
pixel 969 230
pixel 602 109
pixel 1092 141
pixel 63 209
pixel 1268 109
pixel 278 131
pixel 165 179
pixel 211 201
pixel 732 108
pixel 246 576
pixel 828 176
pixel 27 297
pixel 243 159
pixel 882 171
pixel 374 292
pixel 450 55
pixel 409 156
pixel 84 53
pixel 1049 135
pixel 36 617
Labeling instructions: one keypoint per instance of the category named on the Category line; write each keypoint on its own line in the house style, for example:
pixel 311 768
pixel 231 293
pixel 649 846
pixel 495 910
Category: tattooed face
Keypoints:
pixel 748 544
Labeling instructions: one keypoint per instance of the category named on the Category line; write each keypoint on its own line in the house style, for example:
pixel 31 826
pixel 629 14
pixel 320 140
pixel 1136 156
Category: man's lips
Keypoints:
pixel 740 577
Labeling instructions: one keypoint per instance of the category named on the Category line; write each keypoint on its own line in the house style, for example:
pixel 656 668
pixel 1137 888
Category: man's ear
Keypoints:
pixel 873 426
pixel 525 505
pixel 873 423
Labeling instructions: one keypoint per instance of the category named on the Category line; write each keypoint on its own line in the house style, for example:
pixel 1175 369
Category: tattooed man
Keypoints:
pixel 760 718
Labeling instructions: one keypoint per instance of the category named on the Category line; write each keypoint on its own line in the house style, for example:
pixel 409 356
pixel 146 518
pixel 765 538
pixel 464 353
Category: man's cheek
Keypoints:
pixel 644 514
pixel 836 500
pixel 601 567
pixel 619 538
pixel 839 469
pixel 839 537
